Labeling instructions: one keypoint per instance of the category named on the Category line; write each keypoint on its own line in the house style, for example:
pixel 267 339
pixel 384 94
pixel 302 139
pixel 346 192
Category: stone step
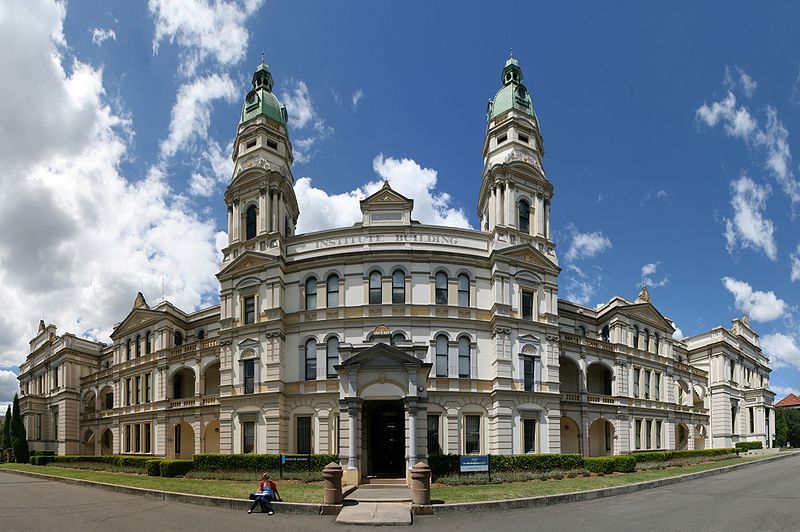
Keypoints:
pixel 384 481
pixel 377 493
pixel 375 514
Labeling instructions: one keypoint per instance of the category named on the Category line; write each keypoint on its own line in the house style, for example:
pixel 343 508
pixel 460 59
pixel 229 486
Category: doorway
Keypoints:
pixel 384 428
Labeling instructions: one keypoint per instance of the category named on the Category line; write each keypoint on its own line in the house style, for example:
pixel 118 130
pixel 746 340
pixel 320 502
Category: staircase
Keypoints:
pixel 378 502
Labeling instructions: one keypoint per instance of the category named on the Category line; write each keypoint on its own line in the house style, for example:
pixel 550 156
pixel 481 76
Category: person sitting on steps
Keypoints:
pixel 267 492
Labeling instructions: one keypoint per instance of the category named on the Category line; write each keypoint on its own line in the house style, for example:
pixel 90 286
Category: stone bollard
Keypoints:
pixel 421 484
pixel 332 475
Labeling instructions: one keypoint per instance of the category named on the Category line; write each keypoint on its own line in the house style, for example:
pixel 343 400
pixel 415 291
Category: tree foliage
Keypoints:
pixel 19 440
pixel 781 428
pixel 792 417
pixel 6 442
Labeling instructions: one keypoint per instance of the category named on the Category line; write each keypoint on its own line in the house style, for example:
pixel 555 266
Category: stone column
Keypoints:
pixel 274 210
pixel 236 222
pixel 352 405
pixel 262 210
pixel 511 206
pixel 281 213
pixel 411 408
pixel 497 206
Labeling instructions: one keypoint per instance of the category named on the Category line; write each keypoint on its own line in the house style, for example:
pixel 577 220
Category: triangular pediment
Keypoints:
pixel 529 256
pixel 247 262
pixel 382 356
pixel 647 313
pixel 136 319
pixel 385 197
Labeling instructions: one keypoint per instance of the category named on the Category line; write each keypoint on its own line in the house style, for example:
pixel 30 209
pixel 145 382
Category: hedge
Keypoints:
pixel 664 456
pixel 174 468
pixel 748 445
pixel 42 453
pixel 154 467
pixel 258 462
pixel 136 462
pixel 40 459
pixel 610 464
pixel 447 464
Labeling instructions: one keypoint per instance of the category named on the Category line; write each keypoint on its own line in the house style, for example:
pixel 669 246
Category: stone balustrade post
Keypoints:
pixel 332 476
pixel 421 484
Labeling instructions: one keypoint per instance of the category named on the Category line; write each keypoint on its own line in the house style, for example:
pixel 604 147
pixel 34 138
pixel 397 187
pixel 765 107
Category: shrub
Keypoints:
pixel 533 462
pixel 40 459
pixel 154 467
pixel 744 446
pixel 664 456
pixel 175 468
pixel 139 463
pixel 259 462
pixel 599 464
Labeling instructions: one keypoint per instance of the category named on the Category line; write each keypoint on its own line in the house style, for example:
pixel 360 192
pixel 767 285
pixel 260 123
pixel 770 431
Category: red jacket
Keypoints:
pixel 272 486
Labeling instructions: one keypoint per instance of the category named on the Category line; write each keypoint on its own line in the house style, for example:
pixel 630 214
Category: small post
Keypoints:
pixel 421 484
pixel 332 476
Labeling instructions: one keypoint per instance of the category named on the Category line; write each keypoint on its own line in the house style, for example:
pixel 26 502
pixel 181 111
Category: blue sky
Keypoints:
pixel 668 138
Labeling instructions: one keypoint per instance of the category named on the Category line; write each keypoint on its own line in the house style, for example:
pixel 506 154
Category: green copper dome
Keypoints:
pixel 512 95
pixel 261 101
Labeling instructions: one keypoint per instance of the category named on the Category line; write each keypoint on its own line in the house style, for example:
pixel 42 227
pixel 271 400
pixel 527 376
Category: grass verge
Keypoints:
pixel 290 491
pixel 516 490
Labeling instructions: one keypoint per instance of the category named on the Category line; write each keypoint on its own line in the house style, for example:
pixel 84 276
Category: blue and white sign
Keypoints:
pixel 473 463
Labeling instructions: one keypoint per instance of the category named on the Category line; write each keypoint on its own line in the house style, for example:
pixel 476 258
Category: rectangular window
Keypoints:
pixel 128 392
pixel 55 427
pixel 522 137
pixel 752 419
pixel 472 434
pixel 55 378
pixel 109 400
pixel 441 364
pixel 657 386
pixel 311 361
pixel 733 420
pixel 147 391
pixel 138 438
pixel 434 448
pixel 638 433
pixel 178 439
pixel 147 437
pixel 658 434
pixel 251 144
pixel 527 305
pixel 127 438
pixel 502 138
pixel 272 144
pixel 649 434
pixel 529 367
pixel 38 426
pixel 463 360
pixel 636 382
pixel 249 376
pixel 304 435
pixel 647 384
pixel 138 389
pixel 249 310
pixel 733 370
pixel 529 435
pixel 248 436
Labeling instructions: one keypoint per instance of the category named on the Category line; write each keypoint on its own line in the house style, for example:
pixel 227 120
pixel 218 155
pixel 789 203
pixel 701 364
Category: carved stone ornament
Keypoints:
pixel 644 295
pixel 381 330
pixel 518 155
pixel 252 162
pixel 746 320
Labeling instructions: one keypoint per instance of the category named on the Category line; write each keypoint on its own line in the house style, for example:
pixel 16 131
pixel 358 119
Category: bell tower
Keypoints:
pixel 515 195
pixel 262 207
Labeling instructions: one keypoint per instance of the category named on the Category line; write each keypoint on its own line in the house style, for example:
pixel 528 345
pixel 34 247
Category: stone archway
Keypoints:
pixel 601 438
pixel 87 443
pixel 107 442
pixel 681 437
pixel 570 436
pixel 183 441
pixel 699 437
pixel 211 437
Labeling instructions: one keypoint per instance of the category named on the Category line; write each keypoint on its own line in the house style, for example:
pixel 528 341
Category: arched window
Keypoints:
pixel 463 290
pixel 332 355
pixel 441 288
pixel 441 356
pixel 311 293
pixel 201 334
pixel 128 350
pixel 375 296
pixel 581 330
pixel 311 360
pixel 148 346
pixel 524 216
pixel 397 338
pixel 636 337
pixel 138 345
pixel 605 334
pixel 178 338
pixel 252 212
pixel 657 340
pixel 463 357
pixel 398 287
pixel 332 295
pixel 647 339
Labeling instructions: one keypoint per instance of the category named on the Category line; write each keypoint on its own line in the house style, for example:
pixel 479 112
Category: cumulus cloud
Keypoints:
pixel 8 387
pixel 737 78
pixel 320 210
pixel 783 391
pixel 770 139
pixel 91 237
pixel 100 35
pixel 760 306
pixel 205 30
pixel 309 127
pixel 587 245
pixel 783 350
pixel 749 226
pixel 648 275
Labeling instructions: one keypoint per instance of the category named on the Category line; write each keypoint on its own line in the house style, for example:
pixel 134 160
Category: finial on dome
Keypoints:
pixel 262 56
pixel 511 52
pixel 644 295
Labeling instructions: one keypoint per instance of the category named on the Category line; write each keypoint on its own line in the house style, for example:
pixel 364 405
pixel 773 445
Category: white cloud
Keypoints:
pixel 94 238
pixel 200 185
pixel 771 139
pixel 782 350
pixel 653 194
pixel 100 35
pixel 579 286
pixel 678 334
pixel 783 391
pixel 320 210
pixel 737 77
pixel 760 306
pixel 191 114
pixel 648 270
pixel 357 98
pixel 203 29
pixel 749 225
pixel 795 263
pixel 587 245
pixel 308 126
pixel 9 385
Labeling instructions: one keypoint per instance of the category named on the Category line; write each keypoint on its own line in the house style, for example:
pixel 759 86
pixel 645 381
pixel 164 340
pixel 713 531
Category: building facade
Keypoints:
pixel 392 340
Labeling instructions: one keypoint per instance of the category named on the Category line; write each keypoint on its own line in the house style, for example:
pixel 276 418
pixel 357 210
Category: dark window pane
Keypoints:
pixel 529 366
pixel 441 356
pixel 304 435
pixel 375 297
pixel 527 305
pixel 463 291
pixel 248 437
pixel 472 436
pixel 441 288
pixel 249 376
pixel 463 357
pixel 311 361
pixel 332 353
pixel 249 310
pixel 433 436
pixel 332 285
pixel 524 217
pixel 311 293
pixel 529 435
pixel 251 222
pixel 398 287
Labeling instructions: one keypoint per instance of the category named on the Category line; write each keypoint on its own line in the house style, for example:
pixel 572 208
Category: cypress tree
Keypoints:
pixel 19 440
pixel 7 431
pixel 781 428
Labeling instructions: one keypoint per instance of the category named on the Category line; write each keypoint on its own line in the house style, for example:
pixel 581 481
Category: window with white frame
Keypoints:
pixel 332 356
pixel 311 360
pixel 375 292
pixel 463 357
pixel 441 356
pixel 472 434
pixel 463 290
pixel 332 288
pixel 398 287
pixel 440 286
pixel 528 436
pixel 311 293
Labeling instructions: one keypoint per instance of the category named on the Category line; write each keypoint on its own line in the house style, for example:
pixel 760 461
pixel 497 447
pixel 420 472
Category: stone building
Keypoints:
pixel 392 340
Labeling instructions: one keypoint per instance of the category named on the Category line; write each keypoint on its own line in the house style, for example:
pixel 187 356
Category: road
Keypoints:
pixel 763 498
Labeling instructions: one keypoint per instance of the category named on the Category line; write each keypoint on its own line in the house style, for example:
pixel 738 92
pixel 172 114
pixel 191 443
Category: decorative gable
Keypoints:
pixel 247 262
pixel 527 256
pixel 386 207
pixel 134 321
pixel 382 356
pixel 647 313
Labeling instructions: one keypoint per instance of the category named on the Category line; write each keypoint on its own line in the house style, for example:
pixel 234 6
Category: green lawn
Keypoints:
pixel 515 490
pixel 290 491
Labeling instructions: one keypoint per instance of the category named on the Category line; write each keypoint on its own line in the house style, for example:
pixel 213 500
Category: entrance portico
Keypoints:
pixel 382 393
